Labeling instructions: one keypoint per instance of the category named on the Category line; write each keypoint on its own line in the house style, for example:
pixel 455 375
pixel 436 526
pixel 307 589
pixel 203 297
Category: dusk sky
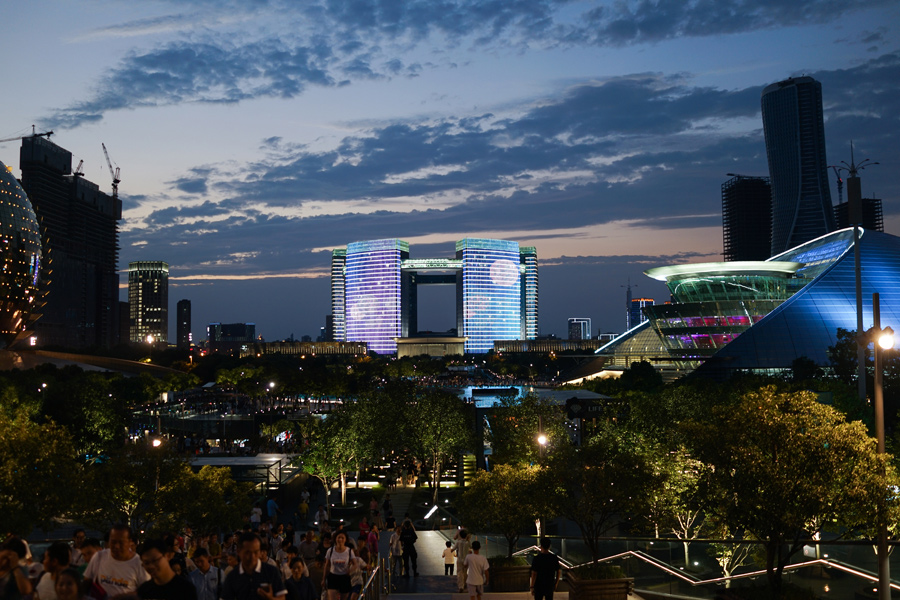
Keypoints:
pixel 253 137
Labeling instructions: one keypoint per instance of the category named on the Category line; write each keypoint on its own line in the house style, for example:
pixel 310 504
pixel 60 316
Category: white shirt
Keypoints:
pixel 116 576
pixel 46 588
pixel 478 566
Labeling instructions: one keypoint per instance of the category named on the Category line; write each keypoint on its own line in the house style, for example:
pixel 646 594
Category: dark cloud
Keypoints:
pixel 565 163
pixel 359 39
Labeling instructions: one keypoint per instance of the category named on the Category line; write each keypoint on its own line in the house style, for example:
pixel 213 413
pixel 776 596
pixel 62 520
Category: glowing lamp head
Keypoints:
pixel 542 440
pixel 157 443
pixel 150 339
pixel 271 384
pixel 886 339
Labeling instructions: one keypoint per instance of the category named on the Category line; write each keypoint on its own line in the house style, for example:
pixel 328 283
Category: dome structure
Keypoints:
pixel 20 259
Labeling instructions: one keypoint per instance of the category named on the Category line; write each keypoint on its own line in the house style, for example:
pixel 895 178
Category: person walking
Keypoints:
pixel 336 576
pixel 462 549
pixel 408 538
pixel 449 559
pixel 545 573
pixel 477 568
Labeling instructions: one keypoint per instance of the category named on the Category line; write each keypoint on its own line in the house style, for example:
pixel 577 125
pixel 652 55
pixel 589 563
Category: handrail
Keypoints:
pixel 372 591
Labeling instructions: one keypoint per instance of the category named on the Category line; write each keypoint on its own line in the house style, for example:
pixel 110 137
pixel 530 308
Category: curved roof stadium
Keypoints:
pixel 20 257
pixel 763 315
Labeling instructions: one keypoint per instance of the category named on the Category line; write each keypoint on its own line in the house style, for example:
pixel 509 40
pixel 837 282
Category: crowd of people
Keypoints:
pixel 266 559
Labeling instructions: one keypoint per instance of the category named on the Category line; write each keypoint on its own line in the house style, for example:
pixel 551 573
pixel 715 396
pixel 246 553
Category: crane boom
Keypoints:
pixel 113 173
pixel 21 137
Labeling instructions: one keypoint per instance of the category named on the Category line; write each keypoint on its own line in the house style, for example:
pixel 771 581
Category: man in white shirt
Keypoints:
pixel 117 569
pixel 56 558
pixel 477 567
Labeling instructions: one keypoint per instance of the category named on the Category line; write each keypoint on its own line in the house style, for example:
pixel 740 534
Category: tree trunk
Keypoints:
pixel 436 477
pixel 343 488
pixel 358 469
pixel 687 560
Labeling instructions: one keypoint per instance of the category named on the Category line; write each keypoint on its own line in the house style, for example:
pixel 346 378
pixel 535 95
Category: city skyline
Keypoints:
pixel 253 140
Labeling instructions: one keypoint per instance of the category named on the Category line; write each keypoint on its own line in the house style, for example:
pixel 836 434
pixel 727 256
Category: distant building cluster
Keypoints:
pixel 374 292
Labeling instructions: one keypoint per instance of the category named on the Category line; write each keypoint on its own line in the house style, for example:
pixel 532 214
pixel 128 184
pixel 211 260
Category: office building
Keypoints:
pixel 579 328
pixel 338 320
pixel 20 279
pixel 183 335
pixel 636 314
pixel 747 218
pixel 795 147
pixel 79 226
pixel 374 286
pixel 374 293
pixel 530 293
pixel 872 216
pixel 230 338
pixel 489 293
pixel 148 301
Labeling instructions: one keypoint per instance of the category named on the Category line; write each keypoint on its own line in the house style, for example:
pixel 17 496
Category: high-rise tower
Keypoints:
pixel 529 310
pixel 79 226
pixel 795 146
pixel 183 325
pixel 747 218
pixel 148 301
pixel 338 317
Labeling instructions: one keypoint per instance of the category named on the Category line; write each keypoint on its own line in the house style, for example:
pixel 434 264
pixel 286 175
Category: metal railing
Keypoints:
pixel 373 586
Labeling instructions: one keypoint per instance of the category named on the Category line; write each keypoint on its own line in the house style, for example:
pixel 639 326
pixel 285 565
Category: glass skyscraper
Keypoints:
pixel 373 293
pixel 795 146
pixel 148 301
pixel 373 287
pixel 339 323
pixel 528 256
pixel 491 295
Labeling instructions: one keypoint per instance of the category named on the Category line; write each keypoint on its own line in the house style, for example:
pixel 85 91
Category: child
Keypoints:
pixel 449 559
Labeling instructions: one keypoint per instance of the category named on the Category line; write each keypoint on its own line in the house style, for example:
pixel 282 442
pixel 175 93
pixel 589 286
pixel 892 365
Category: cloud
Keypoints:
pixel 625 156
pixel 334 42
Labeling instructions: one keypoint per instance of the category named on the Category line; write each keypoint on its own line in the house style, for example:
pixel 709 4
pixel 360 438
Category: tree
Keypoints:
pixel 38 473
pixel 206 501
pixel 514 427
pixel 130 479
pixel 328 457
pixel 782 466
pixel 603 481
pixel 672 503
pixel 505 500
pixel 441 430
pixel 731 556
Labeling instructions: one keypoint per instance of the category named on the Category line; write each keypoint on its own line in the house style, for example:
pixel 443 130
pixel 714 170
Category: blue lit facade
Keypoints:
pixel 806 324
pixel 490 307
pixel 373 293
pixel 761 316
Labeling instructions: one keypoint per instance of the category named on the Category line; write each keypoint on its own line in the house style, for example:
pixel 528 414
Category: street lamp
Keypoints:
pixel 884 340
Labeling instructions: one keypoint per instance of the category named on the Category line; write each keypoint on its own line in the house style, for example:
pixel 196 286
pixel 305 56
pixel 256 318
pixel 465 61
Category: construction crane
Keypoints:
pixel 840 182
pixel 79 170
pixel 33 134
pixel 114 174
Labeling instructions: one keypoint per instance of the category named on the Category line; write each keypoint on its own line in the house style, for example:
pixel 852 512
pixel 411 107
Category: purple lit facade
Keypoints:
pixel 373 293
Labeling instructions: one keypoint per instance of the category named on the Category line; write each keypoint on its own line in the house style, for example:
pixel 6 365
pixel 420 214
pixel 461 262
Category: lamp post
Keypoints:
pixel 884 340
pixel 542 441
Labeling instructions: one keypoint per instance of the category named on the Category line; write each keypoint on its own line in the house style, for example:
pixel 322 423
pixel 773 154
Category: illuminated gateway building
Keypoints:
pixel 20 243
pixel 374 292
pixel 760 316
